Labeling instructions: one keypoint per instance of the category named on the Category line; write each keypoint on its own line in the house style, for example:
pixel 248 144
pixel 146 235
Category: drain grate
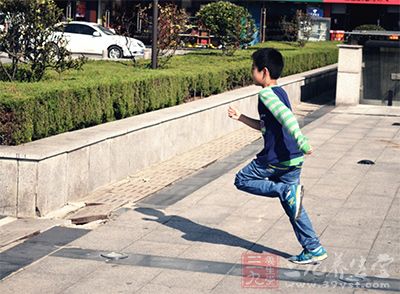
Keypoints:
pixel 353 279
pixel 366 161
pixel 114 255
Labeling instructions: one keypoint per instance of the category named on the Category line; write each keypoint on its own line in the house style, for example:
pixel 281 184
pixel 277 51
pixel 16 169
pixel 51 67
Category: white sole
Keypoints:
pixel 315 259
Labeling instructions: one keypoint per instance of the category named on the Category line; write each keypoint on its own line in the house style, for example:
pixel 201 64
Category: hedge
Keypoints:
pixel 107 91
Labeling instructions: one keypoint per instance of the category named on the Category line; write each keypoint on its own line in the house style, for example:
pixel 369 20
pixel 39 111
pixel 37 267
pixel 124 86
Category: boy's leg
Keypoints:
pixel 256 179
pixel 302 226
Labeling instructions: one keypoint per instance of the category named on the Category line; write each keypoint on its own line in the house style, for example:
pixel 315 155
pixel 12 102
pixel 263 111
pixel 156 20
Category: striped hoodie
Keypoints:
pixel 283 141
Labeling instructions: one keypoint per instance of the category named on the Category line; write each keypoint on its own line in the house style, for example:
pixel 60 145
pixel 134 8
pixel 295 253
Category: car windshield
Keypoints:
pixel 105 30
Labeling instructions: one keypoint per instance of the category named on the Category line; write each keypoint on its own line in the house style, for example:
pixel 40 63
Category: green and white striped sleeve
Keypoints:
pixel 285 117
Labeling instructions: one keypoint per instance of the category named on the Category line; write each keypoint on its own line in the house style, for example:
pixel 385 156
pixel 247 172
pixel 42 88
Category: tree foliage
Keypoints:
pixel 171 22
pixel 231 24
pixel 29 43
pixel 298 28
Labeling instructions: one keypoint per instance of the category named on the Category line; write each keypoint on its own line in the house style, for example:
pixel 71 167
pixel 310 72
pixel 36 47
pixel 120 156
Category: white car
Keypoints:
pixel 87 37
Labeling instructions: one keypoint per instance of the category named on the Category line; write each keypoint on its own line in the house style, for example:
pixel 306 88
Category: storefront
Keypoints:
pixel 344 14
pixel 332 14
pixel 100 11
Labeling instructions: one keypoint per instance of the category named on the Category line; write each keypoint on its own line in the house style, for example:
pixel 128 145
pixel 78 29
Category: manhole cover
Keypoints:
pixel 353 279
pixel 366 161
pixel 114 255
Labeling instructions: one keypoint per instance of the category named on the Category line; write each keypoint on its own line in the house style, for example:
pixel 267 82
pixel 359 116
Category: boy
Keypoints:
pixel 275 172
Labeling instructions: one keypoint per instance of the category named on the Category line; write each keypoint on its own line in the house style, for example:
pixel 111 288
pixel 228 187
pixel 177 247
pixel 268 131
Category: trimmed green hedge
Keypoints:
pixel 106 91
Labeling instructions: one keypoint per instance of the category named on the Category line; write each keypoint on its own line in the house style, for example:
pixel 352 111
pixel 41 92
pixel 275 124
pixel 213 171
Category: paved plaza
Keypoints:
pixel 201 235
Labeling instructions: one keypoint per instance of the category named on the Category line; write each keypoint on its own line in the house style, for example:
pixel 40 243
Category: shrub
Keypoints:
pixel 107 91
pixel 369 27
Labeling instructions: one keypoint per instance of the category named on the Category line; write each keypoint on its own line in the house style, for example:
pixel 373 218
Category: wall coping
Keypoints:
pixel 70 141
pixel 349 46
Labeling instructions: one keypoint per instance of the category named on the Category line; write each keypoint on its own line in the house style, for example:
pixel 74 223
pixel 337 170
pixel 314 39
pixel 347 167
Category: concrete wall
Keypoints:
pixel 44 175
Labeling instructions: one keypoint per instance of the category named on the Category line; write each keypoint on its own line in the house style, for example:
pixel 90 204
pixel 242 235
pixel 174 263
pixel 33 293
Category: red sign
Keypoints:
pixel 382 2
pixel 260 270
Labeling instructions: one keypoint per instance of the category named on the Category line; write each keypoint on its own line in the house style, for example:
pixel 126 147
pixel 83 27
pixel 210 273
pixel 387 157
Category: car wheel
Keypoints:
pixel 114 52
pixel 54 50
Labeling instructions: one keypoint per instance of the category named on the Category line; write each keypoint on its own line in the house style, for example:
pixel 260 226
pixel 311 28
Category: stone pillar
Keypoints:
pixel 349 75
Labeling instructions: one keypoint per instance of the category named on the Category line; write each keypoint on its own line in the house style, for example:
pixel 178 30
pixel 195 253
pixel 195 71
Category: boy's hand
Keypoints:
pixel 309 152
pixel 233 112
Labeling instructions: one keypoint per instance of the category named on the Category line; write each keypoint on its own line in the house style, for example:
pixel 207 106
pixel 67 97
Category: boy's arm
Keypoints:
pixel 251 122
pixel 286 118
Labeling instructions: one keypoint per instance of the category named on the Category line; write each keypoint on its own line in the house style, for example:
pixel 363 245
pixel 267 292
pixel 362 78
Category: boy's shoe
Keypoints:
pixel 294 198
pixel 312 256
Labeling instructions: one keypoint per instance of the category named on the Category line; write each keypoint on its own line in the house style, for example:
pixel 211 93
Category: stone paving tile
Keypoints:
pixel 260 207
pixel 112 278
pixel 207 214
pixel 173 237
pixel 156 248
pixel 332 191
pixel 109 237
pixel 250 228
pixel 360 200
pixel 57 265
pixel 233 284
pixel 32 283
pixel 281 240
pixel 347 236
pixel 188 280
pixel 161 289
pixel 311 288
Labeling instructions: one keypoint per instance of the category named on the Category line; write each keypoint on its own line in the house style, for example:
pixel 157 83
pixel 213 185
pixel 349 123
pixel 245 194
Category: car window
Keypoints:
pixel 105 30
pixel 78 29
pixel 86 30
pixel 71 28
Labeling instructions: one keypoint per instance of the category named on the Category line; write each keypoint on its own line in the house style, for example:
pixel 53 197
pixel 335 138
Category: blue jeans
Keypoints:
pixel 275 181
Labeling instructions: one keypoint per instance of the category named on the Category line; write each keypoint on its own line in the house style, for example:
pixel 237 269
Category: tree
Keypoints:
pixel 298 29
pixel 231 24
pixel 171 22
pixel 29 43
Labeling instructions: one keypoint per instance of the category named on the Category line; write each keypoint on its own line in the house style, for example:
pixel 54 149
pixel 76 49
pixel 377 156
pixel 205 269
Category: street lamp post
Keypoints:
pixel 154 43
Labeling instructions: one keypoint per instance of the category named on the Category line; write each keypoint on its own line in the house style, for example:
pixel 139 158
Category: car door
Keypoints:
pixel 71 35
pixel 88 42
pixel 79 37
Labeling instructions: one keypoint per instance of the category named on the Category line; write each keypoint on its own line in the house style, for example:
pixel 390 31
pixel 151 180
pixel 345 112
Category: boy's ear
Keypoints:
pixel 265 72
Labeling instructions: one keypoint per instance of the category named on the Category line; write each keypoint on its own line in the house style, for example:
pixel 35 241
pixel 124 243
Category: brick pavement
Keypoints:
pixel 160 175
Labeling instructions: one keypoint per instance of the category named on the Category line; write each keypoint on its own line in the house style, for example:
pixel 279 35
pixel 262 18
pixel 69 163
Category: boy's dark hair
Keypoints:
pixel 271 59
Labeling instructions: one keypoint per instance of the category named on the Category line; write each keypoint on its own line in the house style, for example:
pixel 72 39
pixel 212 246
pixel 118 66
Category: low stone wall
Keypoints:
pixel 44 175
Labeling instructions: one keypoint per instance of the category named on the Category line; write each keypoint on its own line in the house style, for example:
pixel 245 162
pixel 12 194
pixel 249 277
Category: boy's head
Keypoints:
pixel 267 64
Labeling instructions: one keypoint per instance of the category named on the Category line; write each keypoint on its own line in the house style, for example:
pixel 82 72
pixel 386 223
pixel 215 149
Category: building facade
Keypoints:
pixel 342 14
